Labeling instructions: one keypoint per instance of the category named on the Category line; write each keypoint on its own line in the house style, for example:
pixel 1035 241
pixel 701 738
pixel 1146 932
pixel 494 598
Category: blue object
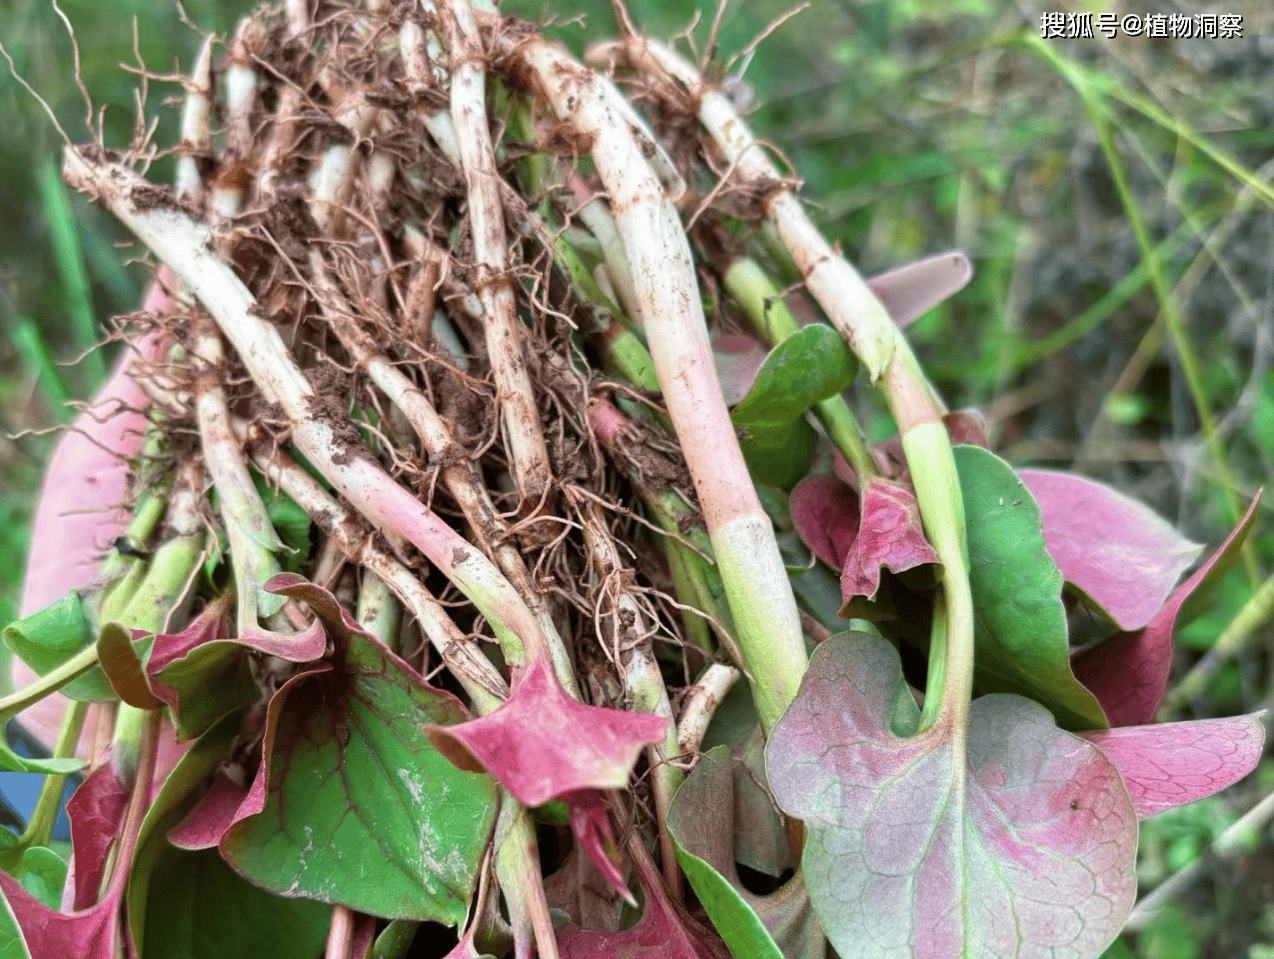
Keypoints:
pixel 19 791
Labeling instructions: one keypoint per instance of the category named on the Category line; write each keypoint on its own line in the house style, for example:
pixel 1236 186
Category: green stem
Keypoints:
pixel 166 579
pixel 50 682
pixel 378 610
pixel 517 867
pixel 126 743
pixel 125 573
pixel 44 816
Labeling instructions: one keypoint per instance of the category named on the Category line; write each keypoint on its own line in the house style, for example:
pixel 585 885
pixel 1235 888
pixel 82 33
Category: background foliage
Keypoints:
pixel 917 126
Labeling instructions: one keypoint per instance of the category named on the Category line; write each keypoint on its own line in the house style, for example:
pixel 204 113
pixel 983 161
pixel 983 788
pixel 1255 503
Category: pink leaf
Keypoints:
pixel 890 534
pixel 1170 764
pixel 825 513
pixel 204 825
pixel 94 811
pixel 1122 556
pixel 1128 673
pixel 590 823
pixel 89 934
pixel 913 290
pixel 541 744
pixel 210 625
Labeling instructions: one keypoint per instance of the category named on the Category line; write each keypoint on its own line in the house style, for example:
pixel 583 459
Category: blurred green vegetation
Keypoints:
pixel 1114 198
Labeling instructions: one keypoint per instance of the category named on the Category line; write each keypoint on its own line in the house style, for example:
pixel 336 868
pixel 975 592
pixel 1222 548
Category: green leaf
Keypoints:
pixel 208 682
pixel 290 522
pixel 810 365
pixel 43 874
pixel 702 831
pixel 360 809
pixel 200 908
pixel 199 761
pixel 1020 621
pixel 48 638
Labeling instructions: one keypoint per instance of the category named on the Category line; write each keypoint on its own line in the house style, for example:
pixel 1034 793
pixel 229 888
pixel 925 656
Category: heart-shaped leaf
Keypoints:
pixel 351 804
pixel 1120 556
pixel 700 821
pixel 1171 764
pixel 42 872
pixel 541 744
pixel 760 834
pixel 1008 838
pixel 810 365
pixel 123 668
pixel 1020 621
pixel 1128 672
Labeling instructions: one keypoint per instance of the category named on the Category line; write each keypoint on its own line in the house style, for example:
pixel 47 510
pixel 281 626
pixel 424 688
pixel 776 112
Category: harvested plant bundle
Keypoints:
pixel 445 508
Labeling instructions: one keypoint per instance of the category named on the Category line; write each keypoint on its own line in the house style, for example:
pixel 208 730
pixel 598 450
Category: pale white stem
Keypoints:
pixel 184 245
pixel 196 133
pixel 852 308
pixel 700 705
pixel 751 567
pixel 241 87
pixel 481 681
pixel 528 454
pixel 863 321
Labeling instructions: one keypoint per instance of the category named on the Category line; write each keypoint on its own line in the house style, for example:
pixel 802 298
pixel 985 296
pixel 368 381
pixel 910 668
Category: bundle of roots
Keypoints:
pixel 444 288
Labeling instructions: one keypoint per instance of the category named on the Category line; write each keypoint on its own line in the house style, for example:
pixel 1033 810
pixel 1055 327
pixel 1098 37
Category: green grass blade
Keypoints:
pixel 70 263
pixel 37 357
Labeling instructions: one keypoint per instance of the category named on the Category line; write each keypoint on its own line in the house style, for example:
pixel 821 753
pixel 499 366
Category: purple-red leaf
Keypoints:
pixel 204 825
pixel 541 744
pixel 590 824
pixel 1171 764
pixel 825 513
pixel 1120 555
pixel 890 534
pixel 89 934
pixel 94 812
pixel 1009 838
pixel 1128 673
